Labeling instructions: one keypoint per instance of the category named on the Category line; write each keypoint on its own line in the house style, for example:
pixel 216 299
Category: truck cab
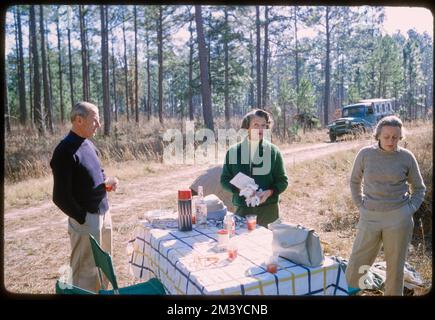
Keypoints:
pixel 360 117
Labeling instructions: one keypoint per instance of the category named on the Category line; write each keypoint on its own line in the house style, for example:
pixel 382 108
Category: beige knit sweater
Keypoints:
pixel 380 180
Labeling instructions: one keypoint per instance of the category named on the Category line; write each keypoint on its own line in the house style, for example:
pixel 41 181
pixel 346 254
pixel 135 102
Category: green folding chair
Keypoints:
pixel 103 261
pixel 67 288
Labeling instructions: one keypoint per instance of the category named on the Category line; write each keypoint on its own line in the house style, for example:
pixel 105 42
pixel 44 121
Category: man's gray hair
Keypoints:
pixel 82 109
pixel 390 121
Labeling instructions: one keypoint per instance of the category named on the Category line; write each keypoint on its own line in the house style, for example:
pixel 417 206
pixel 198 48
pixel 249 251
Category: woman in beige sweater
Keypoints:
pixel 379 184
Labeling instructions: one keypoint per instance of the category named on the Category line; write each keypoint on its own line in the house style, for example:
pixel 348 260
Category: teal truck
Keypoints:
pixel 360 117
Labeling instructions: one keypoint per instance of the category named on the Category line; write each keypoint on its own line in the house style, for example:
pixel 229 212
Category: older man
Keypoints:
pixel 80 192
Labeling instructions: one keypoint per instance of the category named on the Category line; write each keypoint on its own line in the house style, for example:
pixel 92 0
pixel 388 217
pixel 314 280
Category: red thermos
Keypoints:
pixel 184 210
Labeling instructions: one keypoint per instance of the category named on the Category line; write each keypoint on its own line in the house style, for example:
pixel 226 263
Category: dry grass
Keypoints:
pixel 27 155
pixel 35 190
pixel 309 136
pixel 27 192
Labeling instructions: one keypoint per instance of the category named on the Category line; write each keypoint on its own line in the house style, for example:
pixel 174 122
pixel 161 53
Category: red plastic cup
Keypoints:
pixel 272 268
pixel 251 221
pixel 272 264
pixel 109 183
pixel 232 251
pixel 232 254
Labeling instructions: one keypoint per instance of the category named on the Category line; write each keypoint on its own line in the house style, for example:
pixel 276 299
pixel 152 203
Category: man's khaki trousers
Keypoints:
pixel 392 229
pixel 84 271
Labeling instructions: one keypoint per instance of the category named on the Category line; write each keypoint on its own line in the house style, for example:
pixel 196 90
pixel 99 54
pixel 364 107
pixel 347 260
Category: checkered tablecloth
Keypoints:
pixel 187 263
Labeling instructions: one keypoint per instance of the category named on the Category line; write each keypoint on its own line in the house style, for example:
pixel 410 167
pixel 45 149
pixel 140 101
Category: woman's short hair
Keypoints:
pixel 82 109
pixel 246 121
pixel 390 121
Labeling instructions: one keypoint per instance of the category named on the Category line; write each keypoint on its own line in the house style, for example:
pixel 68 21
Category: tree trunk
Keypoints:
pixel 83 40
pixel 265 56
pixel 105 70
pixel 71 82
pixel 136 102
pixel 50 79
pixel 62 108
pixel 125 67
pixel 190 93
pixel 21 74
pixel 283 103
pixel 16 78
pixel 6 103
pixel 114 80
pixel 340 102
pixel 284 122
pixel 327 71
pixel 88 69
pixel 32 113
pixel 258 53
pixel 47 97
pixel 131 93
pixel 409 90
pixel 280 101
pixel 380 80
pixel 251 86
pixel 39 113
pixel 160 61
pixel 208 46
pixel 148 77
pixel 226 89
pixel 205 84
pixel 297 64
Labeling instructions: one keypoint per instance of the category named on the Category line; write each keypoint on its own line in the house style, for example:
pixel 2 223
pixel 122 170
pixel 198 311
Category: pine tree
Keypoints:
pixel 39 113
pixel 205 84
pixel 21 73
pixel 105 69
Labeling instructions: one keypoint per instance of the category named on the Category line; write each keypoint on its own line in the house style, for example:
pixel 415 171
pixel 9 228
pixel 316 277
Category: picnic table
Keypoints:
pixel 189 263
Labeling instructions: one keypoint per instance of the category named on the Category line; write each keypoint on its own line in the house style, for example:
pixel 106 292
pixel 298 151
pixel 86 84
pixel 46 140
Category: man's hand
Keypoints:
pixel 263 195
pixel 248 192
pixel 111 184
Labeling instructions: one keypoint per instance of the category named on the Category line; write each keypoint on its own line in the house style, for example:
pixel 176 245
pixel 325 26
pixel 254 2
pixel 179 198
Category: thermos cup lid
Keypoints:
pixel 184 194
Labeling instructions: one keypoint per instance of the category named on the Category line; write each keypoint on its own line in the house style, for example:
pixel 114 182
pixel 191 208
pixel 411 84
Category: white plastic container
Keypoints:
pixel 223 239
pixel 230 224
pixel 201 209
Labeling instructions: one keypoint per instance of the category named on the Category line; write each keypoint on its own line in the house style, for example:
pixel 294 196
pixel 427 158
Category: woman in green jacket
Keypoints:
pixel 261 160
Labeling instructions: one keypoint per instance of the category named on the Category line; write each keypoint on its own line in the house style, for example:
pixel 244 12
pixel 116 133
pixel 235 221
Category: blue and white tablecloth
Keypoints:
pixel 187 263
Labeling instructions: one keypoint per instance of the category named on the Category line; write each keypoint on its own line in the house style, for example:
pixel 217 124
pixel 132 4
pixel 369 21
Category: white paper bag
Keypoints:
pixel 241 181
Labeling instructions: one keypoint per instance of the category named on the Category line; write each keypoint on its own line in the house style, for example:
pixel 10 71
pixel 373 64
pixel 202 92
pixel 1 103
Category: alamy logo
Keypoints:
pixel 202 147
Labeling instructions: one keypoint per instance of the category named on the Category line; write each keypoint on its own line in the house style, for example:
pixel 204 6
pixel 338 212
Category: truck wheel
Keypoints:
pixel 359 131
pixel 332 137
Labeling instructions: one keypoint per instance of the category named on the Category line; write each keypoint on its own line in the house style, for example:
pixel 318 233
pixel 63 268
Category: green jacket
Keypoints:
pixel 275 178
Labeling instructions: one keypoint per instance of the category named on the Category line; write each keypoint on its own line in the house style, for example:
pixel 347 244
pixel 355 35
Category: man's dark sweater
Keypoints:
pixel 78 178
